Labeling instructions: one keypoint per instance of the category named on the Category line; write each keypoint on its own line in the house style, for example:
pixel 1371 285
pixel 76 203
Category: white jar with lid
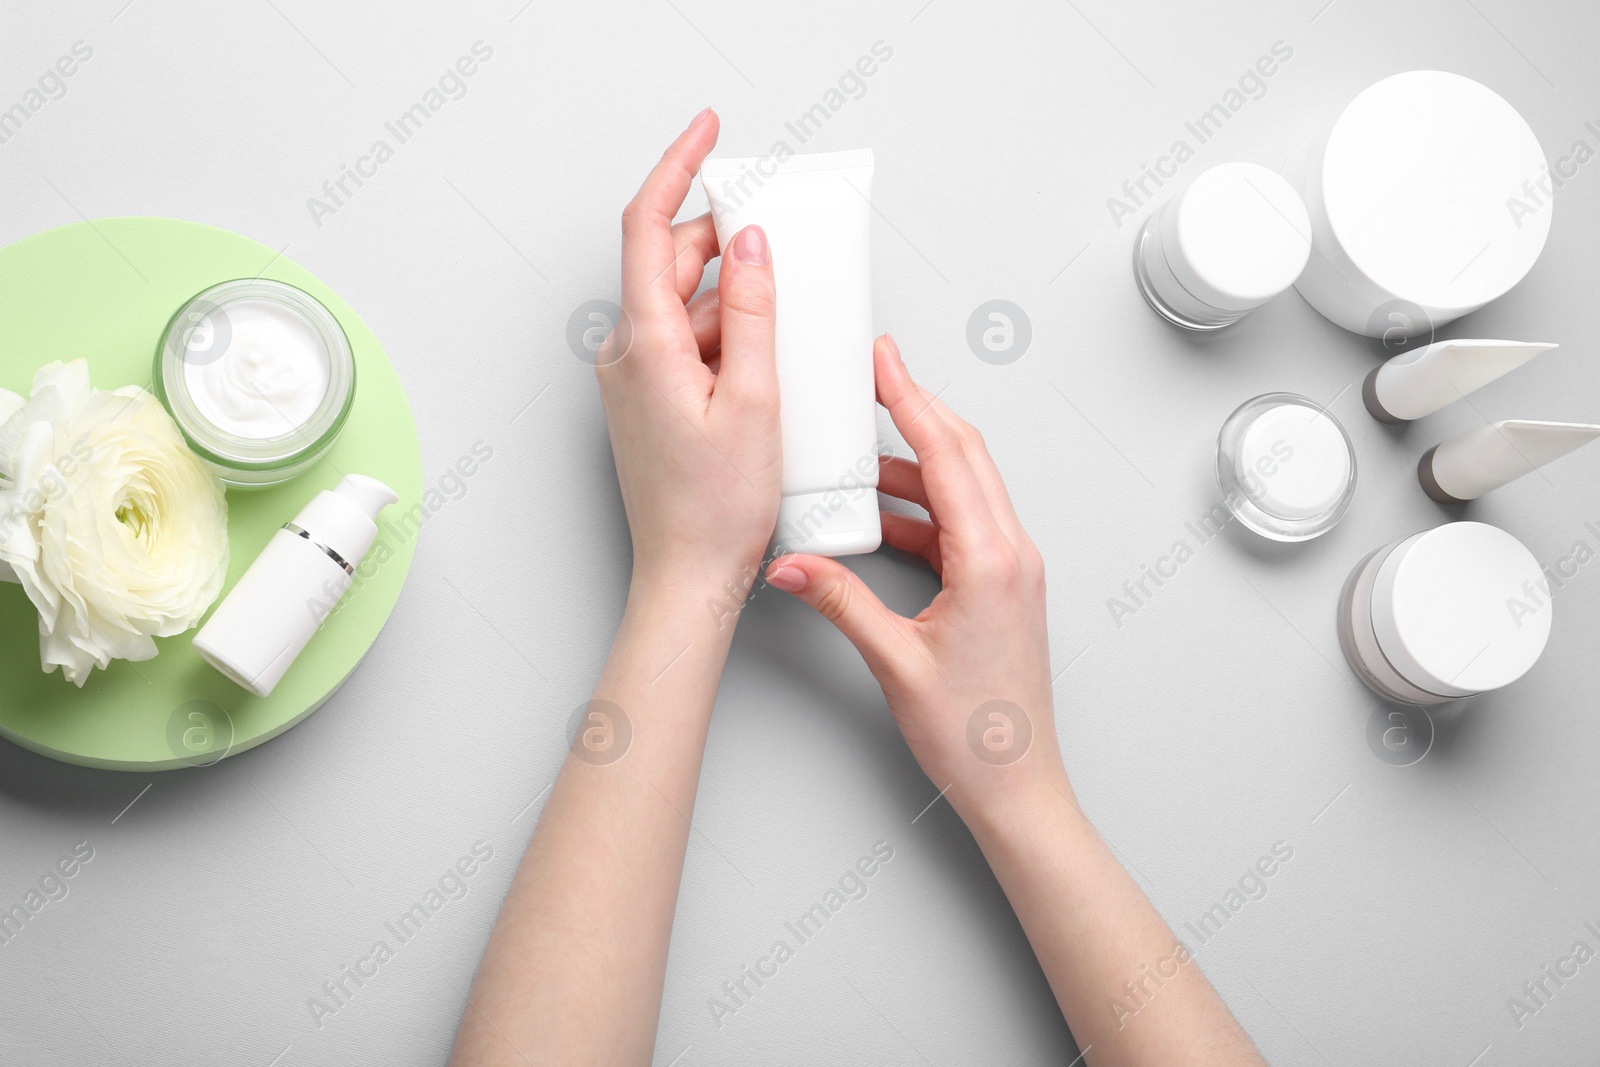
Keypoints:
pixel 1413 198
pixel 1236 237
pixel 1450 612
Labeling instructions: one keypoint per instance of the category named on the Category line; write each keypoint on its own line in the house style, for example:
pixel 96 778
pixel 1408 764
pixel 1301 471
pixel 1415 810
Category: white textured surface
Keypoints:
pixel 1216 720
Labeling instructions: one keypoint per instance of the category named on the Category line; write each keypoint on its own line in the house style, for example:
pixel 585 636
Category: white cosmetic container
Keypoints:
pixel 1236 237
pixel 1286 467
pixel 1423 380
pixel 1447 613
pixel 816 213
pixel 1410 197
pixel 270 615
pixel 260 378
pixel 1466 467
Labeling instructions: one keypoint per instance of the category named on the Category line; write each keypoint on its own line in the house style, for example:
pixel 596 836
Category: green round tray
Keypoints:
pixel 104 291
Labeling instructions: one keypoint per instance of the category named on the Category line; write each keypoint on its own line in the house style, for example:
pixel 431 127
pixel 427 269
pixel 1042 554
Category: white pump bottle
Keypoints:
pixel 264 623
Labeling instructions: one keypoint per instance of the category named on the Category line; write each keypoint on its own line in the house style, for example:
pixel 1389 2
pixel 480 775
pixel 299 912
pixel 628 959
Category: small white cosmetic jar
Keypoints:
pixel 1447 613
pixel 1236 237
pixel 260 378
pixel 1286 467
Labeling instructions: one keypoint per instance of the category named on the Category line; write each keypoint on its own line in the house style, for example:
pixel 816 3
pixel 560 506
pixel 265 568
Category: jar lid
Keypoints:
pixel 1237 236
pixel 1461 609
pixel 1416 178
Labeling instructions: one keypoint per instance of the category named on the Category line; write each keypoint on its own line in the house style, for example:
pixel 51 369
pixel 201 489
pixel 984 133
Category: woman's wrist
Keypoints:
pixel 670 648
pixel 691 599
pixel 1037 807
pixel 711 590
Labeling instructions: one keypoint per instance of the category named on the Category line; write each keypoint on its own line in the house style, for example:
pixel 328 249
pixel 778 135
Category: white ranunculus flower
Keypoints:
pixel 116 530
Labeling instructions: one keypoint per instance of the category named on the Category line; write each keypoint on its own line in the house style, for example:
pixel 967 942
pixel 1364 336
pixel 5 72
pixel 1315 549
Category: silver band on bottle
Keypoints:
pixel 300 531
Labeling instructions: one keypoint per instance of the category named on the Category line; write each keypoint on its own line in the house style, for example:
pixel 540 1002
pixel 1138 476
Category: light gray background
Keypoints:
pixel 1218 720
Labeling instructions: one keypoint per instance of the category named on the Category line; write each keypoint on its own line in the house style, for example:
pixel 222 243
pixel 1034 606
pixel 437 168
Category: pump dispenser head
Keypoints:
pixel 369 495
pixel 262 625
pixel 345 518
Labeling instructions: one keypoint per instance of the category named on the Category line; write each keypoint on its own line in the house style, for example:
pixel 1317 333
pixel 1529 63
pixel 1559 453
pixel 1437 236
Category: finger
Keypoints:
pixel 705 319
pixel 694 244
pixel 843 599
pixel 903 479
pixel 749 371
pixel 987 472
pixel 916 536
pixel 648 250
pixel 953 490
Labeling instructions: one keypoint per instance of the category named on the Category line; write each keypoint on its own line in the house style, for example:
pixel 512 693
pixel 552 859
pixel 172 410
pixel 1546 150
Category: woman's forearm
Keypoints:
pixel 1130 992
pixel 574 969
pixel 575 965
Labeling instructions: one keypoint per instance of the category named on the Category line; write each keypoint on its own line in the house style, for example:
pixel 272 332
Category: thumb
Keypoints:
pixel 842 598
pixel 749 320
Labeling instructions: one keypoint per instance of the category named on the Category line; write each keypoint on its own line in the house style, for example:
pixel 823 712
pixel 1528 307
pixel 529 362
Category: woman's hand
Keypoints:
pixel 574 970
pixel 968 679
pixel 690 387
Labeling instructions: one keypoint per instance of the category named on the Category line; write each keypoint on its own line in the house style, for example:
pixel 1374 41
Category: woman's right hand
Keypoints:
pixel 968 679
pixel 690 388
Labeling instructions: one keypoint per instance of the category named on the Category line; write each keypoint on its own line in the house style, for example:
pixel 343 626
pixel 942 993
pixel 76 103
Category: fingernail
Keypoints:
pixel 894 346
pixel 750 246
pixel 789 579
pixel 698 119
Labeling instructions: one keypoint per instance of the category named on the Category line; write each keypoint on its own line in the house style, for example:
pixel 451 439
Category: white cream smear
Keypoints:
pixel 270 378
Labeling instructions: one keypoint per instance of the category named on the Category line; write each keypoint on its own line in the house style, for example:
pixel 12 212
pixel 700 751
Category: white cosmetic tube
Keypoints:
pixel 1466 467
pixel 816 213
pixel 1424 380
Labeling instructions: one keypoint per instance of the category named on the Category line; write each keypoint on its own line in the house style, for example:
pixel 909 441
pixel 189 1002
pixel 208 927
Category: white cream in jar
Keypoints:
pixel 270 377
pixel 259 376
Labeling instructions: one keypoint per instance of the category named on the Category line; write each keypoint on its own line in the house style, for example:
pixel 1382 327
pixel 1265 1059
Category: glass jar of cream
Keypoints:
pixel 1286 467
pixel 260 378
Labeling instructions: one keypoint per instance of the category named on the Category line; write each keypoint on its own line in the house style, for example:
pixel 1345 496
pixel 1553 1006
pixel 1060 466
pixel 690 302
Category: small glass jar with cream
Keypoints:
pixel 260 378
pixel 1286 467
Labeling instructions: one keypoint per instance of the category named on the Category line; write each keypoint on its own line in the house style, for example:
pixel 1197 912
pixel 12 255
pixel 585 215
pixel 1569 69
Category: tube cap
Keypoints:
pixel 1430 482
pixel 836 522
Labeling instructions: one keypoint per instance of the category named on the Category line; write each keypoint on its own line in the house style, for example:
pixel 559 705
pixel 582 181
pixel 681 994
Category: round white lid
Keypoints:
pixel 1294 461
pixel 1461 609
pixel 1415 181
pixel 1239 235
